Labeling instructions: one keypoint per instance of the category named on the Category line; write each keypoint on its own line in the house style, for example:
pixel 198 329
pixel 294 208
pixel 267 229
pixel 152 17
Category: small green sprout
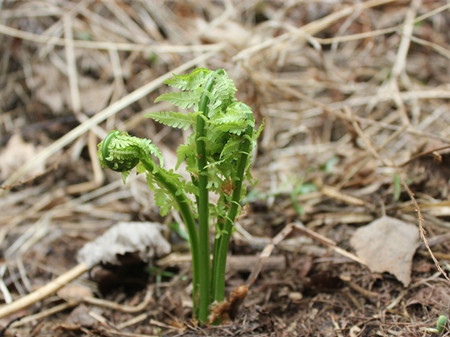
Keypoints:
pixel 217 156
pixel 301 188
pixel 397 187
pixel 440 324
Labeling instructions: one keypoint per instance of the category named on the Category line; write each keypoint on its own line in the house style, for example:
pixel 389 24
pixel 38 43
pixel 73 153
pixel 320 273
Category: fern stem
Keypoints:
pixel 220 264
pixel 217 240
pixel 188 218
pixel 203 204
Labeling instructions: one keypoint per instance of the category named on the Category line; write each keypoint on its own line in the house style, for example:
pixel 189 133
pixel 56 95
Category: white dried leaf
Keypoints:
pixel 143 238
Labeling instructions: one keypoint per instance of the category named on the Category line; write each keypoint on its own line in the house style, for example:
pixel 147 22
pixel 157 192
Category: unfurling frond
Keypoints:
pixel 121 152
pixel 184 100
pixel 223 92
pixel 189 81
pixel 231 147
pixel 174 119
pixel 217 155
pixel 236 119
pixel 184 152
pixel 163 201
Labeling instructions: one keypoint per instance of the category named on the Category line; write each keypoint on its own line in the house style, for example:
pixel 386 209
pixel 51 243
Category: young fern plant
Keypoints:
pixel 217 155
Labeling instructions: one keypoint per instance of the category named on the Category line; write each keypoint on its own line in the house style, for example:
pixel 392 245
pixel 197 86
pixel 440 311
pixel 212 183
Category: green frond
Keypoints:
pixel 230 118
pixel 231 126
pixel 231 147
pixel 162 197
pixel 184 100
pixel 190 81
pixel 236 119
pixel 184 151
pixel 258 132
pixel 189 187
pixel 174 119
pixel 163 201
pixel 223 93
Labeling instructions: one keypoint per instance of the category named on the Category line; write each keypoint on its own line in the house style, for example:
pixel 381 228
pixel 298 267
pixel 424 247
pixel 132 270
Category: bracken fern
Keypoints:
pixel 217 155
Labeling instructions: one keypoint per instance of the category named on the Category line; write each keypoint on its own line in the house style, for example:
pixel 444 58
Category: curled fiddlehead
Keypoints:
pixel 121 152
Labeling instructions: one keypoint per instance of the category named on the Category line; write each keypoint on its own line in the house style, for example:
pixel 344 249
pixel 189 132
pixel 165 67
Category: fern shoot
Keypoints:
pixel 217 155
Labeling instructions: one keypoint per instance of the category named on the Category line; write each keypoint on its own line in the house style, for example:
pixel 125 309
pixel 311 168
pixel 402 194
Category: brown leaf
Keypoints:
pixel 16 153
pixel 387 245
pixel 74 292
pixel 52 88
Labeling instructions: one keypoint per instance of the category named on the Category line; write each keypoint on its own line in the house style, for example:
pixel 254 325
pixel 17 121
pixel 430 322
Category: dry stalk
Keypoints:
pixel 43 292
pixel 107 45
pixel 421 227
pixel 309 29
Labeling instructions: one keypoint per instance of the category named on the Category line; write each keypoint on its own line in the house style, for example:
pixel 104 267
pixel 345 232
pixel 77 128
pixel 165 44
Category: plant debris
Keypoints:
pixel 141 238
pixel 387 245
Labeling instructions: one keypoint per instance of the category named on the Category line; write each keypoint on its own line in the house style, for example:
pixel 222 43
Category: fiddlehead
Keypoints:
pixel 121 152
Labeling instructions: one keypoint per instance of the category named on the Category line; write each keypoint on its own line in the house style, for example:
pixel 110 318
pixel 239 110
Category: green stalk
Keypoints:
pixel 188 218
pixel 217 239
pixel 220 264
pixel 203 205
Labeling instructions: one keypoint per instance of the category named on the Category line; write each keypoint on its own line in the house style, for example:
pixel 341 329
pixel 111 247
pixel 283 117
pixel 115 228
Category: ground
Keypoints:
pixel 354 96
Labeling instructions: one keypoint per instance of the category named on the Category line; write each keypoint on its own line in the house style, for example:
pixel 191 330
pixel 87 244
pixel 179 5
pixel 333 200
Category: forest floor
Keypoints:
pixel 351 209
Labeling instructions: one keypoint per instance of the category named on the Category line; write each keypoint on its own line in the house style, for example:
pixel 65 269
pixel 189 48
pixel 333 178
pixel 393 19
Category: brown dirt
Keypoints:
pixel 353 95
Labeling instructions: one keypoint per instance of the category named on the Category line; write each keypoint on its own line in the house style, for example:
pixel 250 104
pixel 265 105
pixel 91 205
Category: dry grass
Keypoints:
pixel 352 93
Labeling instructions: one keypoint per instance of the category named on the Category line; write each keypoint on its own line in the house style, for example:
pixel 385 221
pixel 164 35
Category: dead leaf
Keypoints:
pixel 94 95
pixel 144 238
pixel 16 153
pixel 75 292
pixel 80 316
pixel 52 88
pixel 387 245
pixel 49 86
